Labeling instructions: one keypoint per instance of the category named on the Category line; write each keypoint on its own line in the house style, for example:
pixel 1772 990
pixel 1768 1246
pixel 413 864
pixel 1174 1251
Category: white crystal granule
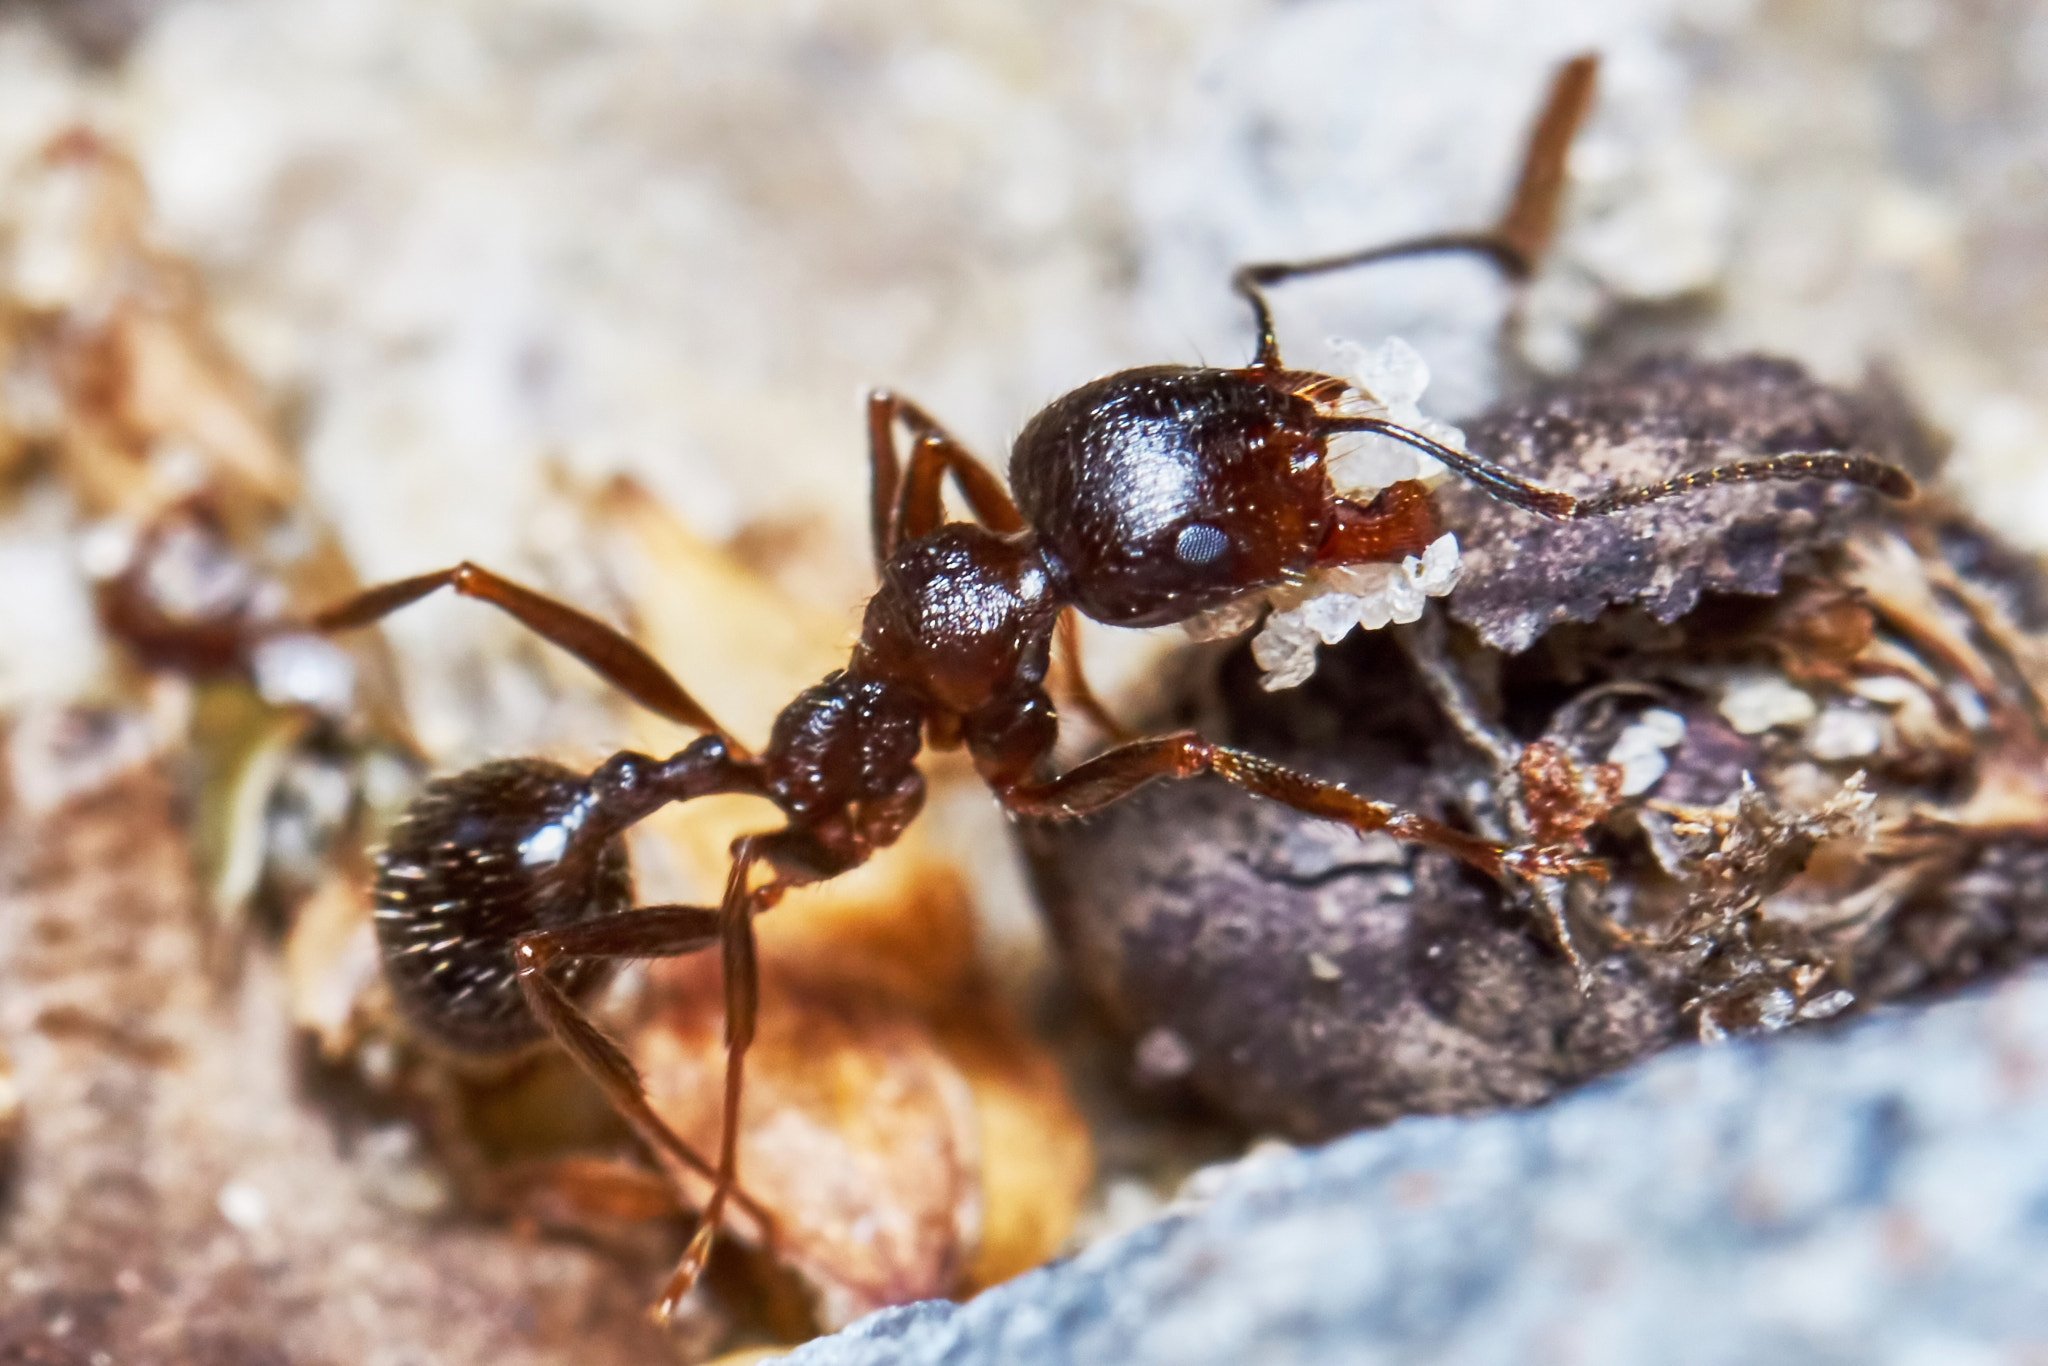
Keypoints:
pixel 1640 749
pixel 1387 382
pixel 1337 598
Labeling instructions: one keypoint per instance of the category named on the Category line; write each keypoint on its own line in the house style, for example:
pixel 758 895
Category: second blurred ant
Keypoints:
pixel 1140 499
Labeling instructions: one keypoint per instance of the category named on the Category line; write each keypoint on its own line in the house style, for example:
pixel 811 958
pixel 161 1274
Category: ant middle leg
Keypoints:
pixel 1074 680
pixel 1116 774
pixel 612 656
pixel 1515 242
pixel 796 855
pixel 741 976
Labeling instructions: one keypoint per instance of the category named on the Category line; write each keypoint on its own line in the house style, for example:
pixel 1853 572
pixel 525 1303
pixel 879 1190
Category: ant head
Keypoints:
pixel 1162 492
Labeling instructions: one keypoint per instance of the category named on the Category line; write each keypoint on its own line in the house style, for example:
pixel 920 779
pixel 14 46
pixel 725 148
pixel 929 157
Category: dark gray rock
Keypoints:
pixel 1874 1194
pixel 1315 982
pixel 1642 424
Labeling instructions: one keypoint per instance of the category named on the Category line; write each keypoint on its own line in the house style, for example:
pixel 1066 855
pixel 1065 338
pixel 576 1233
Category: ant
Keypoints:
pixel 1140 499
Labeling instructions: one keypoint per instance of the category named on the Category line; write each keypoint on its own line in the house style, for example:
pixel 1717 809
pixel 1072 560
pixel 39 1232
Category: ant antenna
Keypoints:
pixel 1515 243
pixel 1516 491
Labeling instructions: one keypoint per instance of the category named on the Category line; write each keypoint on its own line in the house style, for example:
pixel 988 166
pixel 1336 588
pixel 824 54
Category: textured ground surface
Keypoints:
pixel 1871 1195
pixel 177 1201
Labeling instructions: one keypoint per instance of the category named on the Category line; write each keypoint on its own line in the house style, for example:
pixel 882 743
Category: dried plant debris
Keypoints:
pixel 119 399
pixel 1806 732
pixel 175 1200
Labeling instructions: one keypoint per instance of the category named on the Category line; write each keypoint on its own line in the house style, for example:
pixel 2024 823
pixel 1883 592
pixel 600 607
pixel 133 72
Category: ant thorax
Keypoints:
pixel 962 616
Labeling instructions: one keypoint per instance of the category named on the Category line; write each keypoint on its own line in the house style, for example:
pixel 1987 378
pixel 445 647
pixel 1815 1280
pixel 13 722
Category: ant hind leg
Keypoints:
pixel 661 932
pixel 612 656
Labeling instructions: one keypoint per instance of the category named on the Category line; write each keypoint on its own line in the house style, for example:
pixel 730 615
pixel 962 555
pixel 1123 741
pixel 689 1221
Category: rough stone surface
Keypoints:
pixel 1641 424
pixel 1315 981
pixel 1870 1195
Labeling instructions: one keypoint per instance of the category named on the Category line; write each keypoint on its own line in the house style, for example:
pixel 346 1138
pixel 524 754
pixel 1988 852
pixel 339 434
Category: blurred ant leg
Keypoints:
pixel 1114 775
pixel 612 656
pixel 582 1191
pixel 1515 243
pixel 646 932
pixel 742 979
pixel 1079 694
pixel 905 509
pixel 1516 491
pixel 1526 227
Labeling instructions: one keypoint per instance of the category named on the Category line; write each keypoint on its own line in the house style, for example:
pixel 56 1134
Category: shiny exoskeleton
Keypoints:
pixel 1140 499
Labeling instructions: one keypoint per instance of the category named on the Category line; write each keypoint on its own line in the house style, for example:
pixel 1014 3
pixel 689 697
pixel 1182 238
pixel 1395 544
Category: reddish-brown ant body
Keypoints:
pixel 1140 499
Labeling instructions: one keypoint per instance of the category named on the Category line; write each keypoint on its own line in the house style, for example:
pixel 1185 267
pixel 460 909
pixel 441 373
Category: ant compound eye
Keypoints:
pixel 1200 543
pixel 478 860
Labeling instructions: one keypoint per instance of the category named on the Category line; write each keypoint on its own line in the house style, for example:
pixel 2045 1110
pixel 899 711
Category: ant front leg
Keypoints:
pixel 612 656
pixel 1116 774
pixel 1516 241
pixel 1079 695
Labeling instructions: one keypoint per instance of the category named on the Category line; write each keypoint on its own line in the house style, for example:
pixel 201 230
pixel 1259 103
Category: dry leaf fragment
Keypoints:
pixel 858 1132
pixel 1885 569
pixel 117 330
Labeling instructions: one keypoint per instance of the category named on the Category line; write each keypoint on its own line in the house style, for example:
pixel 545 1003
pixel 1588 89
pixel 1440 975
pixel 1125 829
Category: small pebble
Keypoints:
pixel 1755 702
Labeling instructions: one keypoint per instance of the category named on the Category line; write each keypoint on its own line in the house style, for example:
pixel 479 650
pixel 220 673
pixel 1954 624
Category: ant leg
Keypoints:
pixel 656 932
pixel 1079 694
pixel 1109 777
pixel 612 656
pixel 903 509
pixel 1516 491
pixel 1515 243
pixel 734 928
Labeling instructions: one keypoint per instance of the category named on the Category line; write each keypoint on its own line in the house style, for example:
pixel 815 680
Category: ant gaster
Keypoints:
pixel 1140 499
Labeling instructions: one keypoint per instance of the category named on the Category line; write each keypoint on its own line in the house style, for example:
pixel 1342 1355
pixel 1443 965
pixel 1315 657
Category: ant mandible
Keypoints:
pixel 1140 499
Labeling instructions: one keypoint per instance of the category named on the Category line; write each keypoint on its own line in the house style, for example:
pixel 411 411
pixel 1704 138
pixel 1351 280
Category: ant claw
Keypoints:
pixel 687 1271
pixel 1552 860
